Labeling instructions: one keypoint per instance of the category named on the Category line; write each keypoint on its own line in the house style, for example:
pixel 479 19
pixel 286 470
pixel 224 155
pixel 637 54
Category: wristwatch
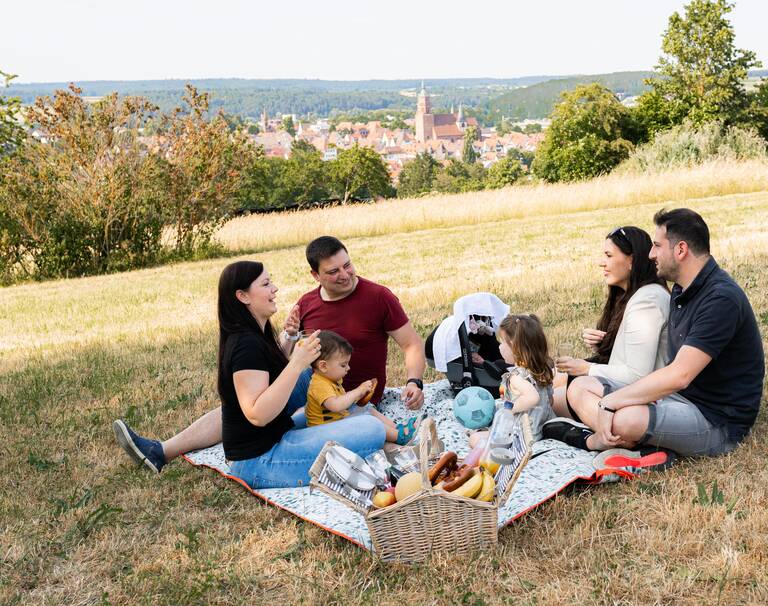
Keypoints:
pixel 604 407
pixel 417 382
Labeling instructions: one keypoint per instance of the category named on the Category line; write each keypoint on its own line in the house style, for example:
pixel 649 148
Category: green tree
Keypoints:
pixel 301 179
pixel 84 198
pixel 503 127
pixel 506 171
pixel 468 154
pixel 11 130
pixel 524 157
pixel 418 176
pixel 257 184
pixel 701 72
pixel 302 147
pixel 653 114
pixel 757 111
pixel 288 126
pixel 589 135
pixel 460 177
pixel 205 166
pixel 360 172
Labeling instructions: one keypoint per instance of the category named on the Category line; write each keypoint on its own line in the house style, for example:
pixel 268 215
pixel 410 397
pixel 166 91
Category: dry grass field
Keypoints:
pixel 80 525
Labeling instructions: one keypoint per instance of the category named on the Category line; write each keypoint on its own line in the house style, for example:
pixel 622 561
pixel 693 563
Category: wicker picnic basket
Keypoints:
pixel 431 520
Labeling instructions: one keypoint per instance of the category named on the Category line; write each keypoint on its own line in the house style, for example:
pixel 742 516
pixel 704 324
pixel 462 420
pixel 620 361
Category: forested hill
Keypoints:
pixel 302 97
pixel 537 100
pixel 488 98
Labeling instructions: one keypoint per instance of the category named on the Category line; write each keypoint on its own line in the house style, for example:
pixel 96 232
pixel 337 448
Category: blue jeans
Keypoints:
pixel 287 463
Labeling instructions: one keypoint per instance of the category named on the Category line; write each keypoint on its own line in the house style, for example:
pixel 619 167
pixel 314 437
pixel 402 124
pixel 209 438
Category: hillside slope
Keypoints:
pixel 82 525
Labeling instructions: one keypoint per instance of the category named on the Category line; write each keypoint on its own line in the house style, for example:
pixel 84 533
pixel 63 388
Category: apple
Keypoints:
pixel 383 499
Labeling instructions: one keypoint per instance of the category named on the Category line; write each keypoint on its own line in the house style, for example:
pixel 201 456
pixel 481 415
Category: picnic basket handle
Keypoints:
pixel 528 439
pixel 427 433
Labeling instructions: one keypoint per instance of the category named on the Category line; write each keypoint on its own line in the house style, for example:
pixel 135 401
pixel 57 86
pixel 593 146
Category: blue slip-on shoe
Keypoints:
pixel 141 450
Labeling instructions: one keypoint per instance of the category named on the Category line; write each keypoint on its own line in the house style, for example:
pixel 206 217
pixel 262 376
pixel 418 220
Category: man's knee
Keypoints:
pixel 631 422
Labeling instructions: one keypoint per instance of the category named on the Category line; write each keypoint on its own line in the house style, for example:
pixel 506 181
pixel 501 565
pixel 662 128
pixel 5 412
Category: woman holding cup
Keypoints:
pixel 630 339
pixel 262 383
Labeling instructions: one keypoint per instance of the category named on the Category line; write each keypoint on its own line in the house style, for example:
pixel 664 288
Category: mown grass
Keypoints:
pixel 80 525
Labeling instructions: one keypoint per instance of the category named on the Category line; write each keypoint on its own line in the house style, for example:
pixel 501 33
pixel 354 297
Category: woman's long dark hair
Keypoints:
pixel 234 317
pixel 636 242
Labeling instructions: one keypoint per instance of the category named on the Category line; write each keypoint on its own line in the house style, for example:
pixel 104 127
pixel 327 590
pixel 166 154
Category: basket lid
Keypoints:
pixel 350 468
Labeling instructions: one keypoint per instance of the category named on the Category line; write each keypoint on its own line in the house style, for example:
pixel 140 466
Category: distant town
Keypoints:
pixel 439 134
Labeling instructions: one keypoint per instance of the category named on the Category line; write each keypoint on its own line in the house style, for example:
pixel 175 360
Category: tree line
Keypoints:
pixel 83 190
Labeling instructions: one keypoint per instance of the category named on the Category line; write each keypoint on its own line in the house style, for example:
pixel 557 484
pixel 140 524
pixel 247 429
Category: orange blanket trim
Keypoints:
pixel 269 502
pixel 593 479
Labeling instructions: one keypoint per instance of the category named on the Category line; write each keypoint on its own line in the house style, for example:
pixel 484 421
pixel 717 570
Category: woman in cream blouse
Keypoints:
pixel 630 340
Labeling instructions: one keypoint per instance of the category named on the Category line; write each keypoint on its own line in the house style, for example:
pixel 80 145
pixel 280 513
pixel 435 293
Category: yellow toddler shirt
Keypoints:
pixel 320 389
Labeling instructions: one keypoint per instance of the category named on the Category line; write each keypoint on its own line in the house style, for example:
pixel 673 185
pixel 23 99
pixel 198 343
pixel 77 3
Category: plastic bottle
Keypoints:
pixel 473 457
pixel 502 429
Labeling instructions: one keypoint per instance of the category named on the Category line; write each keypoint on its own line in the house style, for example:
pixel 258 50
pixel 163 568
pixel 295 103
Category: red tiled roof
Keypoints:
pixel 444 119
pixel 448 130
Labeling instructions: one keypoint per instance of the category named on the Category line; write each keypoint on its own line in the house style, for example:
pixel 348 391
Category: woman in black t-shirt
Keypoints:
pixel 261 387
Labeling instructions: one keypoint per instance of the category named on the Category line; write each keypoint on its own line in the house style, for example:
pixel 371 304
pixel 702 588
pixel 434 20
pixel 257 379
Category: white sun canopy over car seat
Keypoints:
pixel 446 345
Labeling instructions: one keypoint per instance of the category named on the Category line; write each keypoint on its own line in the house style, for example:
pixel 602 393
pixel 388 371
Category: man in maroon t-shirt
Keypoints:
pixel 363 312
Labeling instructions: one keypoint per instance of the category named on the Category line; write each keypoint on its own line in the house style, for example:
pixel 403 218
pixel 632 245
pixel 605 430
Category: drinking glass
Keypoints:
pixel 565 349
pixel 379 463
pixel 407 460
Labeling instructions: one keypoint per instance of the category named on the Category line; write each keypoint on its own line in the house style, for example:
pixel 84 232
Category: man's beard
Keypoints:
pixel 668 273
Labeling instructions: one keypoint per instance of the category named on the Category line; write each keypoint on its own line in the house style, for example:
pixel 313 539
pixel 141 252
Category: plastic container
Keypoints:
pixel 473 457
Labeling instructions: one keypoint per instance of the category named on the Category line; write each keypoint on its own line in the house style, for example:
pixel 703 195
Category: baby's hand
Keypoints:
pixel 365 387
pixel 477 358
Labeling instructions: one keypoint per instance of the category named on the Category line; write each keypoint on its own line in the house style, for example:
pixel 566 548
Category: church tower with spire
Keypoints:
pixel 425 120
pixel 439 127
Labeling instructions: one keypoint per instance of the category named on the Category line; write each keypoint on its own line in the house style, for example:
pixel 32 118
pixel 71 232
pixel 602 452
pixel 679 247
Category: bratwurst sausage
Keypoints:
pixel 446 462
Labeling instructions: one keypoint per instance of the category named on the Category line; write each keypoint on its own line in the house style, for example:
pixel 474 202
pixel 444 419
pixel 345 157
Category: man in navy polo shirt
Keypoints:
pixel 707 399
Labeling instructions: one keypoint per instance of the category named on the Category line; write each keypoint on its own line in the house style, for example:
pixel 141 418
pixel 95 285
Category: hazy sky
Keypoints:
pixel 76 40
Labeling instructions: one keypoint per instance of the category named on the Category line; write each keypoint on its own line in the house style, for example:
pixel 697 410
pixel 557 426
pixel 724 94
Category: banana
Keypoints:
pixel 471 487
pixel 488 488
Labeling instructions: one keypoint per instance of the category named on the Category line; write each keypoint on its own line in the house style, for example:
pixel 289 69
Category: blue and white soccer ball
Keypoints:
pixel 474 407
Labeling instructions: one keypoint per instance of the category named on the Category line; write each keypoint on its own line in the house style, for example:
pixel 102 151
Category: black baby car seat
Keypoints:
pixel 462 371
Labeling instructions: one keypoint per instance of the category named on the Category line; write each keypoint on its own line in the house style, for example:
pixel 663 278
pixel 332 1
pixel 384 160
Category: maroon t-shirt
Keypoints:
pixel 363 318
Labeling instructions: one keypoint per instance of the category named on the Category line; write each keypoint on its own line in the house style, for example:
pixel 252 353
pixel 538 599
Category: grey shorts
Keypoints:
pixel 677 424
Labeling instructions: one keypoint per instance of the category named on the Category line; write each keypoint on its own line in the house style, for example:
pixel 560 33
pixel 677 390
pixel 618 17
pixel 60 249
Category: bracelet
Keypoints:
pixel 604 407
pixel 291 337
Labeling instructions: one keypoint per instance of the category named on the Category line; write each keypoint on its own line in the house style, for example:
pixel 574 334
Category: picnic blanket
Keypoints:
pixel 553 467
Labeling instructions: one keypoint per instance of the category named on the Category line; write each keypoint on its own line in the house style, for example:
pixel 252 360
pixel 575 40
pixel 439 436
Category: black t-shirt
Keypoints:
pixel 714 315
pixel 242 439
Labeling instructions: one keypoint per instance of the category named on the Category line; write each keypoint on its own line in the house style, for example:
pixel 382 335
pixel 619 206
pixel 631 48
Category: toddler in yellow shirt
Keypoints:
pixel 326 399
